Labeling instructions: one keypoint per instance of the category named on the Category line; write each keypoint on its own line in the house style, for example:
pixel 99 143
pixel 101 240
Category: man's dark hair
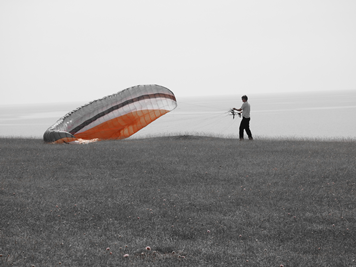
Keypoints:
pixel 244 97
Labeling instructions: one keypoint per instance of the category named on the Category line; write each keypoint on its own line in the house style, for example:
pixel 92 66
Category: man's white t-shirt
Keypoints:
pixel 245 110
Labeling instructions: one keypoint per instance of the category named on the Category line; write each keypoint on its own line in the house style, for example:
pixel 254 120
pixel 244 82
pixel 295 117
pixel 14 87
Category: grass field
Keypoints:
pixel 195 201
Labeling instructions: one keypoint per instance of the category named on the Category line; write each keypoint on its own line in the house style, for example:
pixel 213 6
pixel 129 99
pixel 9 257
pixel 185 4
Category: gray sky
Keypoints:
pixel 56 51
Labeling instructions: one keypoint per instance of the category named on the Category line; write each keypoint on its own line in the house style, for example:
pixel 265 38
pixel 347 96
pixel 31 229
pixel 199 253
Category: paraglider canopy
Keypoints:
pixel 117 116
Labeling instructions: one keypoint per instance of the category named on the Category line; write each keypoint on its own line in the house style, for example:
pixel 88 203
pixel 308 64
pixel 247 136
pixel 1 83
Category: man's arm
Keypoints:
pixel 240 109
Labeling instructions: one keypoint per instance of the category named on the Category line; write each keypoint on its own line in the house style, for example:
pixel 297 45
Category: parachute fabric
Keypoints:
pixel 117 116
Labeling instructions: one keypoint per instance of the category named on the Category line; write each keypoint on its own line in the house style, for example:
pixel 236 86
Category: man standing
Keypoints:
pixel 245 122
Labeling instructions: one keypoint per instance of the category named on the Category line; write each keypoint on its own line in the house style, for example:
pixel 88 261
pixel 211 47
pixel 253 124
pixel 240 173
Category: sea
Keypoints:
pixel 329 115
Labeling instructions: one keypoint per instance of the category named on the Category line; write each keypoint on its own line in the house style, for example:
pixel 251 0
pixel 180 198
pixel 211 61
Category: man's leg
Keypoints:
pixel 247 128
pixel 241 133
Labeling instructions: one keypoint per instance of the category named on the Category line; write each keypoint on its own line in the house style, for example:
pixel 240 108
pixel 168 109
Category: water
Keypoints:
pixel 327 115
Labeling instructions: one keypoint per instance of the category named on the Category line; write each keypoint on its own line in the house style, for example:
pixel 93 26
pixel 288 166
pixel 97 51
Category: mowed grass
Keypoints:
pixel 195 201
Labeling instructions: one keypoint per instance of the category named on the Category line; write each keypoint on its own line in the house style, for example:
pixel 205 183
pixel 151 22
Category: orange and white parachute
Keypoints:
pixel 117 116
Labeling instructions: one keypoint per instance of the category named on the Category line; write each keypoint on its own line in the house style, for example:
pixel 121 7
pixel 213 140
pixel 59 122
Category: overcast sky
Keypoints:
pixel 56 51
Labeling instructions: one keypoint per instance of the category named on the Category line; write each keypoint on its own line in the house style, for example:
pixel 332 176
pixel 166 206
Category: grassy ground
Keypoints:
pixel 195 201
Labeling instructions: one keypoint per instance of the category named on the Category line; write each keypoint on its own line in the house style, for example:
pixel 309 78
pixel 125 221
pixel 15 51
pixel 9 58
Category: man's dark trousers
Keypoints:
pixel 245 125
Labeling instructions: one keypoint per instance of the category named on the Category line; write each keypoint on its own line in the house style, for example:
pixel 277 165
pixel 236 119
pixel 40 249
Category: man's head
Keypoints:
pixel 244 98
